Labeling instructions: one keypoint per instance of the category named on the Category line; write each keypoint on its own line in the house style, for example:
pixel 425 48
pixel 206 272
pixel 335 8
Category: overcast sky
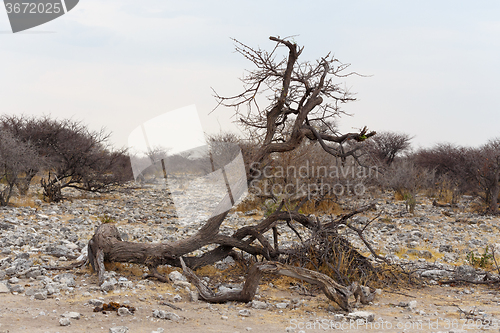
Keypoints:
pixel 433 66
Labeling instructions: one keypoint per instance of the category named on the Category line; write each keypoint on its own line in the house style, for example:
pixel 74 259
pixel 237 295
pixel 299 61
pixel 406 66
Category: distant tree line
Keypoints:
pixel 443 168
pixel 444 171
pixel 62 153
pixel 472 170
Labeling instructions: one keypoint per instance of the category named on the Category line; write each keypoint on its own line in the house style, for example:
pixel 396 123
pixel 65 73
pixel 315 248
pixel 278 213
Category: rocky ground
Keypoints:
pixel 434 242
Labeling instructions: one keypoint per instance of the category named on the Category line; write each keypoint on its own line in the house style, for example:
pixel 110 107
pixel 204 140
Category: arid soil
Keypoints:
pixel 33 299
pixel 436 310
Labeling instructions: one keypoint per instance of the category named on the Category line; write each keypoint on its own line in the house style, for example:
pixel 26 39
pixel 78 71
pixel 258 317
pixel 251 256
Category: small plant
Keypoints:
pixel 479 260
pixel 107 219
pixel 410 202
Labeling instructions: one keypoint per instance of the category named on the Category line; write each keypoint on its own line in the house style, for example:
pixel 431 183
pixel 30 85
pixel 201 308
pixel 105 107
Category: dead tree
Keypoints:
pixel 303 98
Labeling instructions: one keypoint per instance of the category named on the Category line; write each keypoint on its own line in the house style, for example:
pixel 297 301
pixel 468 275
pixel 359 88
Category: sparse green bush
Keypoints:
pixel 479 260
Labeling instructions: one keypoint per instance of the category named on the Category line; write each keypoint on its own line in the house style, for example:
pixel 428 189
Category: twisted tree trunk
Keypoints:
pixel 309 92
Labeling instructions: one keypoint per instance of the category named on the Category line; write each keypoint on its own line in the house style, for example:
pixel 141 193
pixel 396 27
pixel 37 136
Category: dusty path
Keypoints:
pixel 435 310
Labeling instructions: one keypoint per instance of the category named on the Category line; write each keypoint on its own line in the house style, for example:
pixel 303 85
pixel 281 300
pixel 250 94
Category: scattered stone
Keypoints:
pixel 465 272
pixel 193 296
pixel 34 273
pixel 435 273
pixel 71 315
pixel 60 251
pixel 118 329
pixel 244 313
pixel 362 315
pixel 41 295
pixel 259 305
pixel 124 312
pixel 425 254
pixel 176 276
pixel 67 279
pixel 413 244
pixel 17 288
pixel 182 284
pixel 225 263
pixel 96 302
pixel 338 317
pixel 445 248
pixel 13 280
pixel 64 322
pixel 28 236
pixel 3 288
pixel 161 314
pixel 109 285
pixel 158 330
pixel 282 305
pixel 251 212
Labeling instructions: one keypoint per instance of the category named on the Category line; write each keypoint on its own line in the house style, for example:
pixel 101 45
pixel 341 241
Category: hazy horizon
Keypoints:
pixel 431 69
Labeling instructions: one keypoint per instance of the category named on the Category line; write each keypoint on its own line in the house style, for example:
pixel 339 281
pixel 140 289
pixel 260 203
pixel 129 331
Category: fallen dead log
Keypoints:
pixel 107 245
pixel 332 290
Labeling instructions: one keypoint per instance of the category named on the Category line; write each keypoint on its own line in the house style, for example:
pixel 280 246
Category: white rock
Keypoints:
pixel 259 305
pixel 71 315
pixel 118 329
pixel 176 276
pixel 108 285
pixel 158 330
pixel 183 284
pixel 124 312
pixel 281 305
pixel 3 288
pixel 193 296
pixel 435 273
pixel 67 279
pixel 165 315
pixel 13 280
pixel 64 322
pixel 338 317
pixel 41 295
pixel 96 302
pixel 364 315
pixel 244 313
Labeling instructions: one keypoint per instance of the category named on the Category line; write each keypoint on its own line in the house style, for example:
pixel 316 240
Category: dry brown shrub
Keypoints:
pixel 125 268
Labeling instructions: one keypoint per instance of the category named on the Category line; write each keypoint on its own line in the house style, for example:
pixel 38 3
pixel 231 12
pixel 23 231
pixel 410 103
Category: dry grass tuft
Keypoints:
pixel 325 206
pixel 399 196
pixel 249 204
pixel 125 268
pixel 23 201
